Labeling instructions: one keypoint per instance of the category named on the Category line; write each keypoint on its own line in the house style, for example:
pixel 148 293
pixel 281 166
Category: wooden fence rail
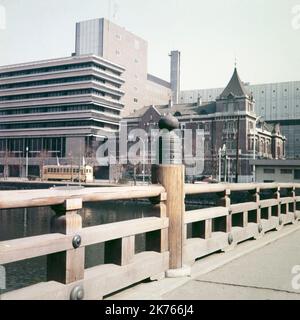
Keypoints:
pixel 173 238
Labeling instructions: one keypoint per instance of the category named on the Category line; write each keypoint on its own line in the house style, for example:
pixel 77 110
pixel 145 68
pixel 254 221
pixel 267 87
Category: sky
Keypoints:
pixel 262 35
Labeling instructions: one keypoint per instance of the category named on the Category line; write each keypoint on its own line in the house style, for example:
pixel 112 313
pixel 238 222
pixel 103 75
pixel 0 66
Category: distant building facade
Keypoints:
pixel 103 38
pixel 230 120
pixel 275 102
pixel 57 108
pixel 279 171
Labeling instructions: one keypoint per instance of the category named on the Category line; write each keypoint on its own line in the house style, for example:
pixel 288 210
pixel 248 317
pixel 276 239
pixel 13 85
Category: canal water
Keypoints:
pixel 22 223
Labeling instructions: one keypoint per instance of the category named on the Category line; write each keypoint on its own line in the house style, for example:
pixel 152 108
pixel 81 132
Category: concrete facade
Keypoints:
pixel 57 108
pixel 112 42
pixel 277 171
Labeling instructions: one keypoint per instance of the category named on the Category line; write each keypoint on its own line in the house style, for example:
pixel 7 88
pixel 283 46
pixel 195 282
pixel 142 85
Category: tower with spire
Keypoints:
pixel 235 98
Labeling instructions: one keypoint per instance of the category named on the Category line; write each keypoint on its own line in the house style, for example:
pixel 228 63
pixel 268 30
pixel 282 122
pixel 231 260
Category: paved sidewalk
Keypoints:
pixel 263 274
pixel 260 269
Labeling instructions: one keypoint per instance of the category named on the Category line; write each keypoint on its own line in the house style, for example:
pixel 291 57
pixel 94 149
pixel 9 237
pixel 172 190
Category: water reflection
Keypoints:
pixel 22 223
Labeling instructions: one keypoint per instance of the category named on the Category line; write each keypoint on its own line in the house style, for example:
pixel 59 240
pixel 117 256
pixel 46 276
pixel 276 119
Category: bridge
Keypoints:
pixel 179 243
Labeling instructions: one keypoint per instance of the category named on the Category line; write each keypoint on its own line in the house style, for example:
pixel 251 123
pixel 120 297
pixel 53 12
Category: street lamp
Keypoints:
pixel 131 138
pixel 223 153
pixel 26 172
pixel 254 146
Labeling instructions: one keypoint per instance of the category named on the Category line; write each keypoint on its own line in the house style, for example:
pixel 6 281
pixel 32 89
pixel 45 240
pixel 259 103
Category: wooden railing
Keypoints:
pixel 173 238
pixel 225 226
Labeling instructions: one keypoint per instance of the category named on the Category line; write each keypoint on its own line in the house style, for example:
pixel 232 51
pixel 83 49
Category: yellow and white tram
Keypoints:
pixel 68 173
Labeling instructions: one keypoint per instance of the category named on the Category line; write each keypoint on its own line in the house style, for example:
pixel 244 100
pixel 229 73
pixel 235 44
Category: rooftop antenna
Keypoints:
pixel 235 62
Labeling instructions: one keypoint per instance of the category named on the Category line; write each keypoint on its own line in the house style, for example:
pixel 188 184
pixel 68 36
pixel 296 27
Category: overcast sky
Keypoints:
pixel 264 35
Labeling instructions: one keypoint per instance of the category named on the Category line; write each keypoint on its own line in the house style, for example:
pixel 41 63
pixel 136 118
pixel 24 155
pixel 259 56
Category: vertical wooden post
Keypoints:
pixel 120 251
pixel 293 195
pixel 158 240
pixel 68 266
pixel 171 177
pixel 225 201
pixel 256 198
pixel 277 196
pixel 245 219
pixel 202 229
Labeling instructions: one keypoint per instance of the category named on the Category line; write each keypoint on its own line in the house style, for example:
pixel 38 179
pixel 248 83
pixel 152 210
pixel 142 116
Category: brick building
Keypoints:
pixel 230 120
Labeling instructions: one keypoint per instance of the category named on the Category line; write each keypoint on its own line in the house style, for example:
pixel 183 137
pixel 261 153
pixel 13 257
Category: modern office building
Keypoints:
pixel 229 121
pixel 57 108
pixel 275 102
pixel 103 38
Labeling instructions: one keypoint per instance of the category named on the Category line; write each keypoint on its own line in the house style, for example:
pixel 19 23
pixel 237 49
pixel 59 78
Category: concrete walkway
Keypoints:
pixel 259 269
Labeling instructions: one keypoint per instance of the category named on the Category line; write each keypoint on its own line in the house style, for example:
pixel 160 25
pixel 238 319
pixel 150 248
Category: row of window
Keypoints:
pixel 58 109
pixel 59 94
pixel 274 91
pixel 55 81
pixel 55 69
pixel 66 170
pixel 37 147
pixel 77 123
pixel 282 171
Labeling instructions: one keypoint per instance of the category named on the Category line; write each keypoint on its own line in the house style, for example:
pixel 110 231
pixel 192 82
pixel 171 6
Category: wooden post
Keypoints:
pixel 171 177
pixel 256 198
pixel 293 195
pixel 245 219
pixel 276 195
pixel 202 229
pixel 224 201
pixel 158 240
pixel 120 251
pixel 68 266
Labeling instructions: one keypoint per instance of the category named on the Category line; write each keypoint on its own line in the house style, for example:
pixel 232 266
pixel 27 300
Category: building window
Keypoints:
pixel 118 36
pixel 136 60
pixel 286 171
pixel 135 100
pixel 269 171
pixel 297 174
pixel 118 52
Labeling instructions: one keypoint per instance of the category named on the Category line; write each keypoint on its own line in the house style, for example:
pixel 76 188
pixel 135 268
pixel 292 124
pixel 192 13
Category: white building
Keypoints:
pixel 103 38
